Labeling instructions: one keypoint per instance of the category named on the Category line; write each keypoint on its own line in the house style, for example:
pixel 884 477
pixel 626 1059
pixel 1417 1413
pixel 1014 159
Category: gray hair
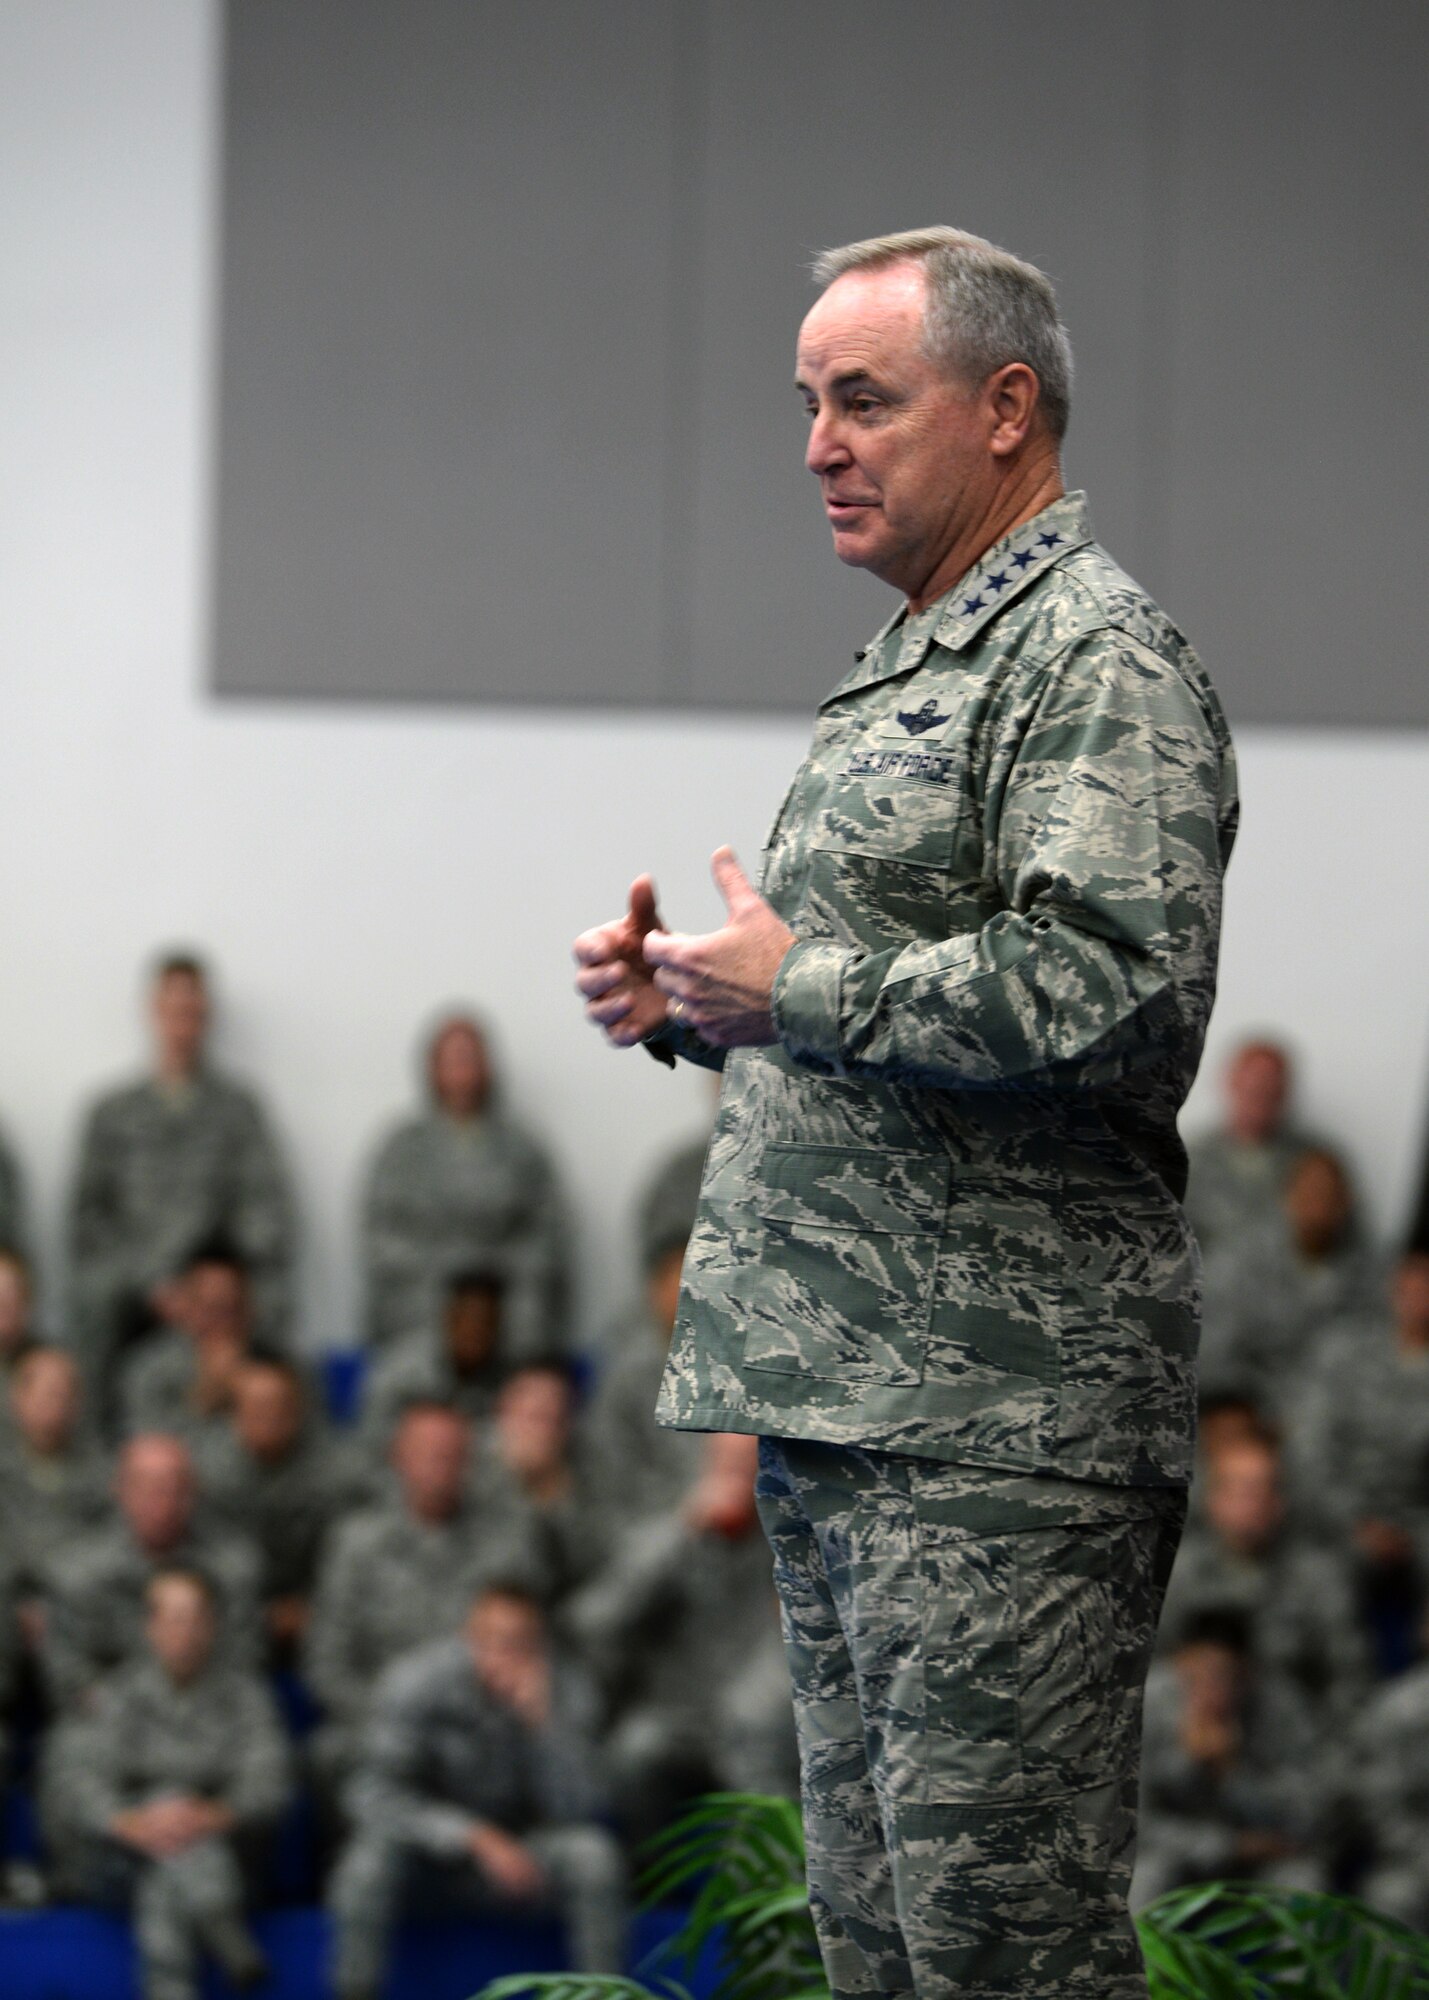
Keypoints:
pixel 985 308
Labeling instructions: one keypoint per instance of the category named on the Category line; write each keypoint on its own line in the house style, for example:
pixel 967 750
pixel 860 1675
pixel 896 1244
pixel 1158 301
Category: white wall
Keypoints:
pixel 350 868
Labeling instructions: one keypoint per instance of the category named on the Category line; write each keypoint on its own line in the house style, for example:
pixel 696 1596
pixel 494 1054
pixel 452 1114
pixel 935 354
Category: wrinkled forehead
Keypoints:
pixel 863 320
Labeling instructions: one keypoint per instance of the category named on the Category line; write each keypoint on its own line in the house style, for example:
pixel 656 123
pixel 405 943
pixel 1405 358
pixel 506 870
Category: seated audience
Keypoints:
pixel 676 1613
pixel 643 1468
pixel 95 1589
pixel 277 1476
pixel 1390 1787
pixel 1360 1440
pixel 1238 1172
pixel 457 1361
pixel 1295 1596
pixel 404 1570
pixel 167 1164
pixel 55 1480
pixel 181 1379
pixel 162 1796
pixel 535 1453
pixel 13 1233
pixel 1228 1769
pixel 461 1186
pixel 1269 1299
pixel 477 1790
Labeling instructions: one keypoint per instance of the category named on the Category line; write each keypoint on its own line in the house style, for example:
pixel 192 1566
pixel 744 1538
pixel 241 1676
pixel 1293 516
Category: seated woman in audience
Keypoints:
pixel 462 1185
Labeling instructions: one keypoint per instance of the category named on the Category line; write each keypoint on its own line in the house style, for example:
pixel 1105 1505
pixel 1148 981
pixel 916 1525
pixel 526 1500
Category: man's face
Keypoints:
pixel 1212 1680
pixel 1317 1202
pixel 267 1412
pixel 461 1075
pixel 473 1327
pixel 1257 1086
pixel 181 1627
pixel 156 1491
pixel 429 1454
pixel 180 1014
pixel 507 1642
pixel 1243 1498
pixel 216 1302
pixel 533 1420
pixel 45 1397
pixel 900 450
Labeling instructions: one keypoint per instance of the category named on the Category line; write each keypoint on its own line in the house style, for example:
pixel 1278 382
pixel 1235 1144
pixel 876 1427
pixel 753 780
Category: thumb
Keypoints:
pixel 643 912
pixel 731 881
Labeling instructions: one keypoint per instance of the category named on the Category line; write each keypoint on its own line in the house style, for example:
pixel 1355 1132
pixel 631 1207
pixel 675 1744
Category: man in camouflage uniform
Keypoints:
pixel 458 1187
pixel 163 1792
pixel 458 1360
pixel 1294 1593
pixel 1231 1778
pixel 55 1482
pixel 167 1164
pixel 277 1477
pixel 404 1570
pixel 96 1588
pixel 941 1264
pixel 1236 1173
pixel 477 1789
pixel 679 1610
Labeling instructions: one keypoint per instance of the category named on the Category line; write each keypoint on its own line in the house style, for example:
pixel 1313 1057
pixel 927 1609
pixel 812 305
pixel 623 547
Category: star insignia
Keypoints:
pixel 972 603
pixel 1023 558
pixel 1049 541
pixel 996 582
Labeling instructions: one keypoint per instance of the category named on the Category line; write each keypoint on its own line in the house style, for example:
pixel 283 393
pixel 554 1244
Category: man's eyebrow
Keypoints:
pixel 853 378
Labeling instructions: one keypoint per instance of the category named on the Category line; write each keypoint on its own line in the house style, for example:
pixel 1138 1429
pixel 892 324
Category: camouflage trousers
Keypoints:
pixel 968 1652
pixel 175 1901
pixel 380 1879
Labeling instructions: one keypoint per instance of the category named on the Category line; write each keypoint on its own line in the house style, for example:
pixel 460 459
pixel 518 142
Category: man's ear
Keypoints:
pixel 1013 393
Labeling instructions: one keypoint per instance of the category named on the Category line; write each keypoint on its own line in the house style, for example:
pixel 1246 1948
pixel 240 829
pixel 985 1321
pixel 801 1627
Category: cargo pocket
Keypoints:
pixel 845 1279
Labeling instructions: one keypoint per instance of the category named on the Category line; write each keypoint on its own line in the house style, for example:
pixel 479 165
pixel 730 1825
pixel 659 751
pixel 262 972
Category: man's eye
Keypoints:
pixel 862 406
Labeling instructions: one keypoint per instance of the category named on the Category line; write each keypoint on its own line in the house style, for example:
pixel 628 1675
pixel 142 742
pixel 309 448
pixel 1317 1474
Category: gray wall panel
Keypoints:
pixel 1297 357
pixel 511 292
pixel 447 231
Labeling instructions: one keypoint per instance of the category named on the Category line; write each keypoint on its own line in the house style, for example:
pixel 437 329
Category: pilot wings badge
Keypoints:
pixel 926 717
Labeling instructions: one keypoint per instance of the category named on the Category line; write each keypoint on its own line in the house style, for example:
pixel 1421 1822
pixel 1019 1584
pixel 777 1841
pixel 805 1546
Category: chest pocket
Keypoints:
pixel 891 836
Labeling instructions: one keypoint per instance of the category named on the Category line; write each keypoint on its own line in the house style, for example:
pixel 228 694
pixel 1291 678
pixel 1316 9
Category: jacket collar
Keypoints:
pixel 956 617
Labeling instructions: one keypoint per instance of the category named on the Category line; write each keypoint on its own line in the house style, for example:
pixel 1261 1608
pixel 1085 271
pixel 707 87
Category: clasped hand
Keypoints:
pixel 635 975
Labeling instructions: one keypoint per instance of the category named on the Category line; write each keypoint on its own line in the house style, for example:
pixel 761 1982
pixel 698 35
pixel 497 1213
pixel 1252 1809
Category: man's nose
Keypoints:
pixel 826 449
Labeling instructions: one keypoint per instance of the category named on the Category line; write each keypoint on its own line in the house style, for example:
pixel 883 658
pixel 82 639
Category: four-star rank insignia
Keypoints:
pixel 926 717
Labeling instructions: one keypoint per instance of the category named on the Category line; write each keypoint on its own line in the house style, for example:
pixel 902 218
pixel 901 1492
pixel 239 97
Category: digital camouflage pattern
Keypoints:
pixel 943 1215
pixel 1268 1307
pixel 1390 1767
pixel 968 1651
pixel 1234 1187
pixel 1364 1411
pixel 445 1196
pixel 162 1172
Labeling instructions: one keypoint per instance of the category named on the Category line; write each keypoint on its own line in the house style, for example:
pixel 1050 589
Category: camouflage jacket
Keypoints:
pixel 942 1214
